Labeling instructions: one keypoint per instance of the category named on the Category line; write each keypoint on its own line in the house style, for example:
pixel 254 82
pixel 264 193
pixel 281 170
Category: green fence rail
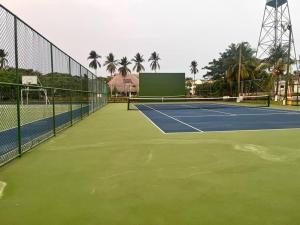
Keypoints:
pixel 32 114
pixel 63 91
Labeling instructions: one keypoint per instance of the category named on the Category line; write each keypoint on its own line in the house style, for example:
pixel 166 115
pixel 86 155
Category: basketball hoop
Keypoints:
pixel 29 80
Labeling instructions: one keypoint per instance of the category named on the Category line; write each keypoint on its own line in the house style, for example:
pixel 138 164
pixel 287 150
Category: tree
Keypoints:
pixel 194 71
pixel 124 70
pixel 138 60
pixel 3 59
pixel 94 64
pixel 154 59
pixel 277 62
pixel 278 72
pixel 276 53
pixel 111 63
pixel 215 70
pixel 239 63
pixel 188 85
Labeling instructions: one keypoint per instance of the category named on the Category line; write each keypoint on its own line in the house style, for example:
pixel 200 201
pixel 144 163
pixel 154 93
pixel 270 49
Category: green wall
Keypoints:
pixel 162 84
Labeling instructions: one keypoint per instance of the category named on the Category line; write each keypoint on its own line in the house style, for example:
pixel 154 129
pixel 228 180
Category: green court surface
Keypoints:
pixel 116 168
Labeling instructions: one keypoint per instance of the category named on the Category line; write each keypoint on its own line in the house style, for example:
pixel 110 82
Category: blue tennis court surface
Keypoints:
pixel 208 118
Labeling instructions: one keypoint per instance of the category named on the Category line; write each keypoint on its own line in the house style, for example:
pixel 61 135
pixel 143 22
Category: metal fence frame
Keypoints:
pixel 28 50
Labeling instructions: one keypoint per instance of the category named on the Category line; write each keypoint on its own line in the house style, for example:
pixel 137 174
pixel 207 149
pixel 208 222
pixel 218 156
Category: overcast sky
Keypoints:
pixel 180 31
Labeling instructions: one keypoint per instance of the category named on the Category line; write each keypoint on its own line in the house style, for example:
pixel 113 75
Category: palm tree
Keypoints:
pixel 277 62
pixel 194 71
pixel 124 70
pixel 278 72
pixel 276 53
pixel 239 63
pixel 111 63
pixel 154 61
pixel 94 64
pixel 3 59
pixel 138 60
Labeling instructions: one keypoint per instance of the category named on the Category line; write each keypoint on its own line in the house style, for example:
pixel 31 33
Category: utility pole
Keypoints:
pixel 240 69
pixel 289 27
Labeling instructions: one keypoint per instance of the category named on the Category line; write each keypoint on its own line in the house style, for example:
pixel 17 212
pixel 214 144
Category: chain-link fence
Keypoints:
pixel 42 89
pixel 278 90
pixel 222 87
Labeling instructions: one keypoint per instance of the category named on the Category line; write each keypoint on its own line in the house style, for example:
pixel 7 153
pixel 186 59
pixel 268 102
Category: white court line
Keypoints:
pixel 175 119
pixel 152 122
pixel 274 110
pixel 235 131
pixel 2 187
pixel 236 115
pixel 229 114
pixel 212 110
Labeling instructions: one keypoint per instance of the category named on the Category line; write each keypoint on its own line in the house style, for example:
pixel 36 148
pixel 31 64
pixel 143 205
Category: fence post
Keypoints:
pixel 81 94
pixel 19 121
pixel 53 112
pixel 71 108
pixel 18 79
pixel 93 95
pixel 88 100
pixel 298 88
pixel 53 91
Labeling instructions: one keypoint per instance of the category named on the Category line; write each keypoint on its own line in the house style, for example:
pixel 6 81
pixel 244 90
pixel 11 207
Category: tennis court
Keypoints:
pixel 127 172
pixel 211 115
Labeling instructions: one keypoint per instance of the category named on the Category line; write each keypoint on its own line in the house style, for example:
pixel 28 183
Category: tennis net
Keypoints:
pixel 197 103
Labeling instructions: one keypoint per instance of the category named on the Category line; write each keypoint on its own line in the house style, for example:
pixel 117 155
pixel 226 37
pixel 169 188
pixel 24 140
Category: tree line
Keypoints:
pixel 111 63
pixel 238 65
pixel 122 66
pixel 234 67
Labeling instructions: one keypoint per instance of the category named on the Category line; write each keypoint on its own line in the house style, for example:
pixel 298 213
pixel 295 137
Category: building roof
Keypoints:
pixel 129 83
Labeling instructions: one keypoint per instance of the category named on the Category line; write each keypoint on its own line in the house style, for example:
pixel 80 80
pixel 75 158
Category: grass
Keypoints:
pixel 116 168
pixel 278 105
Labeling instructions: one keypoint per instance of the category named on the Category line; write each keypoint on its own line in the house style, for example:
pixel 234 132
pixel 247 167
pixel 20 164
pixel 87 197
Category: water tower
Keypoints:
pixel 275 28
